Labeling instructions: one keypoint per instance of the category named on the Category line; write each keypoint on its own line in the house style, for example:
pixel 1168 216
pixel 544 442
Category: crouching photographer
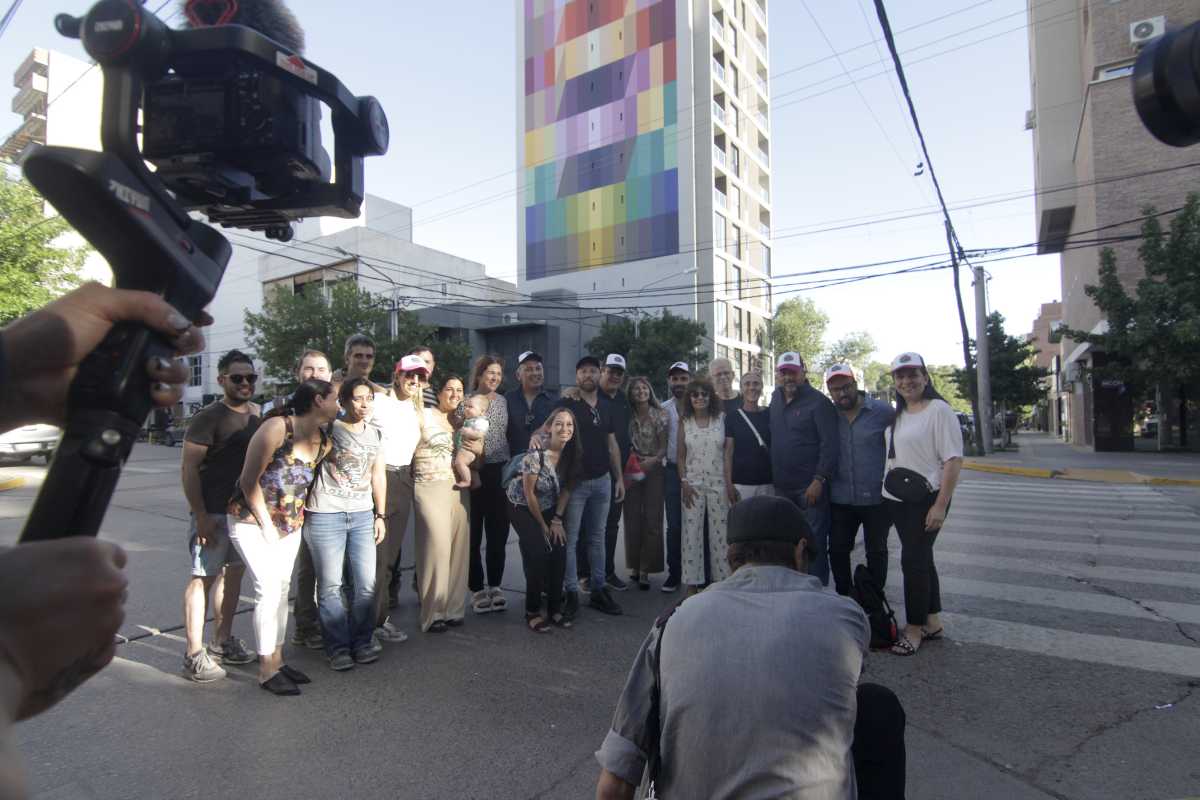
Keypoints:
pixel 62 601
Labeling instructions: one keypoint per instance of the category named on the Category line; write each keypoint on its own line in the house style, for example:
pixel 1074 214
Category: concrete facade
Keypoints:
pixel 1049 319
pixel 721 271
pixel 1096 166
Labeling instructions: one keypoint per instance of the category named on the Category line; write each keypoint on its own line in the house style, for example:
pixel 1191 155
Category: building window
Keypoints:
pixel 735 161
pixel 722 319
pixel 196 367
pixel 735 278
pixel 735 195
pixel 737 328
pixel 736 244
pixel 766 259
pixel 718 232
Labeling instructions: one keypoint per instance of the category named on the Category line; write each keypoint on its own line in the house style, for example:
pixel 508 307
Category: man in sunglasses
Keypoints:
pixel 214 448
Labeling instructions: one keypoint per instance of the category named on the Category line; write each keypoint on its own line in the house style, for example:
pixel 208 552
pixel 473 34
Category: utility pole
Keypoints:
pixel 983 378
pixel 966 339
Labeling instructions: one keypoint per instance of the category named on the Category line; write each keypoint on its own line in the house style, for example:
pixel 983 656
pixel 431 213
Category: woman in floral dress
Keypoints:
pixel 701 461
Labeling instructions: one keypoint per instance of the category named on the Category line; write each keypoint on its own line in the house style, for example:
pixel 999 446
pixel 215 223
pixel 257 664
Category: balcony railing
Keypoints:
pixel 720 200
pixel 717 24
pixel 763 192
pixel 762 154
pixel 719 71
pixel 759 47
pixel 765 230
pixel 762 120
pixel 761 84
pixel 759 12
pixel 718 112
pixel 718 155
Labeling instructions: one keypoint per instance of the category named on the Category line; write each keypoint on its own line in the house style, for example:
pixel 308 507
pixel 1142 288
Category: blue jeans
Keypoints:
pixel 820 520
pixel 337 539
pixel 587 513
pixel 672 495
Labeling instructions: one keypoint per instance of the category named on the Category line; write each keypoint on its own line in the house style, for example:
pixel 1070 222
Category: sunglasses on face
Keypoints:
pixel 700 394
pixel 238 380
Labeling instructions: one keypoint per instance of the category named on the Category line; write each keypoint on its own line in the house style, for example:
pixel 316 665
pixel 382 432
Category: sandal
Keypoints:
pixel 903 647
pixel 929 636
pixel 537 623
pixel 499 601
pixel 481 602
pixel 561 621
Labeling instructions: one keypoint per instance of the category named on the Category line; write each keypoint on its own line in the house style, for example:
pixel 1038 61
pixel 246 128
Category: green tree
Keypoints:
pixel 653 345
pixel 1015 378
pixel 855 348
pixel 291 323
pixel 877 378
pixel 799 326
pixel 944 378
pixel 33 271
pixel 1153 334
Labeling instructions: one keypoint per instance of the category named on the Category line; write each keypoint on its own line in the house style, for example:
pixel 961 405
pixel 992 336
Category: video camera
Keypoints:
pixel 1166 87
pixel 230 120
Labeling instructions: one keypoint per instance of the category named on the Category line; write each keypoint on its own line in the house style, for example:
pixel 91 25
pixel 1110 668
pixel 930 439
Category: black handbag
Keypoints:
pixel 907 485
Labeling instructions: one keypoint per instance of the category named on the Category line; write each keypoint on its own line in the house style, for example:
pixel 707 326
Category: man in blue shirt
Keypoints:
pixel 856 488
pixel 804 451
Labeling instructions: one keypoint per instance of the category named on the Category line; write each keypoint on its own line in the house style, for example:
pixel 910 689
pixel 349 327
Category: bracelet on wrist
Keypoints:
pixel 380 515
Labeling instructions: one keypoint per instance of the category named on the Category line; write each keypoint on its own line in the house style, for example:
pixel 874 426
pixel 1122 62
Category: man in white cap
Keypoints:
pixel 804 451
pixel 612 382
pixel 856 489
pixel 678 378
pixel 529 404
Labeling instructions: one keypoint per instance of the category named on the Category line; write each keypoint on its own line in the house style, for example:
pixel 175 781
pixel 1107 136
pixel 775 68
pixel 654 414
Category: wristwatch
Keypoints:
pixel 378 515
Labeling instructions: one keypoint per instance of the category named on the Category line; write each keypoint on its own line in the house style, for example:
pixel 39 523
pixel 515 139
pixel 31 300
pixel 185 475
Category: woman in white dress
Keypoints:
pixel 702 480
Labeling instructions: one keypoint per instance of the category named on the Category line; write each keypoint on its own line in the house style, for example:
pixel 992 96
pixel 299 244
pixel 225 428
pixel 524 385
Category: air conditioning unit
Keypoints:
pixel 1146 30
pixel 509 319
pixel 1030 120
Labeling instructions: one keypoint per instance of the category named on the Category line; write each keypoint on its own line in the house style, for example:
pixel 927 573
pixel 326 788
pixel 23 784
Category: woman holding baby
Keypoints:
pixel 441 515
pixel 489 506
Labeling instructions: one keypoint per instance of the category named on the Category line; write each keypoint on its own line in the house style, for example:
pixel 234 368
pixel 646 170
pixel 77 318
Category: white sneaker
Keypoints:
pixel 201 668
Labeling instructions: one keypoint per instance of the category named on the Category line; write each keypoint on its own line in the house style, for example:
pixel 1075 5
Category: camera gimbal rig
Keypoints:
pixel 233 120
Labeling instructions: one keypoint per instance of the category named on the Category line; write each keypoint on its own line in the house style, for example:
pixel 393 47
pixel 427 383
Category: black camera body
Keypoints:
pixel 230 118
pixel 1166 87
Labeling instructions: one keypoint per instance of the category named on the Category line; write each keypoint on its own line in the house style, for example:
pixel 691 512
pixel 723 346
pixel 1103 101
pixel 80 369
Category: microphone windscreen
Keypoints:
pixel 271 18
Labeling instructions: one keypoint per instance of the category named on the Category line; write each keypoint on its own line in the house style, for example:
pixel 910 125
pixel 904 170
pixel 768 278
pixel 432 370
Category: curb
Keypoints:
pixel 11 483
pixel 1092 475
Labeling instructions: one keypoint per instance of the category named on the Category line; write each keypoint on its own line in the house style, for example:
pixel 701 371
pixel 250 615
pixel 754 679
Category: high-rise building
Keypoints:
pixel 644 160
pixel 1096 169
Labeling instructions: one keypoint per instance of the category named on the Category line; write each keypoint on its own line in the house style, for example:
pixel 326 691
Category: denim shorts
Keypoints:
pixel 209 560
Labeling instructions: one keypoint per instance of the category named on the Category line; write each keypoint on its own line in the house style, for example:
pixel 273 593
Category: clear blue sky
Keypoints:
pixel 445 74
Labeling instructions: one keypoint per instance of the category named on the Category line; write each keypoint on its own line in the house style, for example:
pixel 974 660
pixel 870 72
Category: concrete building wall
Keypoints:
pixel 1081 62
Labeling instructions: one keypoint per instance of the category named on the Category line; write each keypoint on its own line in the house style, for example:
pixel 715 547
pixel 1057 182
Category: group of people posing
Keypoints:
pixel 329 475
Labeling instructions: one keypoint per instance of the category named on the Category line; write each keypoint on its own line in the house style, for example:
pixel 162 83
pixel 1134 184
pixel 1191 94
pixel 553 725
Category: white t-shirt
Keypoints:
pixel 397 419
pixel 925 440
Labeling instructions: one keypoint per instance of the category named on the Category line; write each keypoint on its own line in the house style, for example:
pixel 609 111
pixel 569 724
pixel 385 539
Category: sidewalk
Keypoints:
pixel 1040 455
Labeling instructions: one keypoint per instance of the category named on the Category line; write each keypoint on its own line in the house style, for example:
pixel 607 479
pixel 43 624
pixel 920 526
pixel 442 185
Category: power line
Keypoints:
pixel 8 16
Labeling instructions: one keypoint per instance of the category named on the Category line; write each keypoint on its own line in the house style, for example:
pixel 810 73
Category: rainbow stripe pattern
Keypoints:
pixel 601 178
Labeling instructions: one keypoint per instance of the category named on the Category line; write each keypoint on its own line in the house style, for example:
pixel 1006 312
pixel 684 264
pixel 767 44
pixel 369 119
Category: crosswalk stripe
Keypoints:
pixel 960 522
pixel 1087 548
pixel 1042 487
pixel 1012 519
pixel 1091 602
pixel 1154 577
pixel 1093 648
pixel 1069 505
pixel 1106 495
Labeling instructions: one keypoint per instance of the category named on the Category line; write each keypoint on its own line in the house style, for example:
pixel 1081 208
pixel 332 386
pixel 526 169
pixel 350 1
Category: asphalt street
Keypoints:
pixel 1070 669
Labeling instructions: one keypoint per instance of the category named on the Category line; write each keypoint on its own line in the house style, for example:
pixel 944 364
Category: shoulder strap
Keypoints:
pixel 287 422
pixel 892 439
pixel 753 429
pixel 654 721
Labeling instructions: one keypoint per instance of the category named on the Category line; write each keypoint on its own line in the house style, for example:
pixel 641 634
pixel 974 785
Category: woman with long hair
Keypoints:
pixel 489 510
pixel 537 500
pixel 343 524
pixel 701 461
pixel 643 507
pixel 442 527
pixel 924 457
pixel 266 516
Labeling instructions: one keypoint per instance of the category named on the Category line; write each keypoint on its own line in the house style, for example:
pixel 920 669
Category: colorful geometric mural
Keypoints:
pixel 601 178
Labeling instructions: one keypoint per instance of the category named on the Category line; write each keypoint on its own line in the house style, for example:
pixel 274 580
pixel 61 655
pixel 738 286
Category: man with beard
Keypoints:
pixel 214 448
pixel 587 510
pixel 678 378
pixel 804 452
pixel 612 381
pixel 856 489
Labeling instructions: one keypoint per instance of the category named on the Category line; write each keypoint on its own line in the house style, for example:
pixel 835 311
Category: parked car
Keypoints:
pixel 21 444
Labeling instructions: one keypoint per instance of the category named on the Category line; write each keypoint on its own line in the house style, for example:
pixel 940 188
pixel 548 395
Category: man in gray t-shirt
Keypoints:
pixel 753 691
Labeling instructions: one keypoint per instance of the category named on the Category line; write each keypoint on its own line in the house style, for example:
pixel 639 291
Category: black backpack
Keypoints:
pixel 884 632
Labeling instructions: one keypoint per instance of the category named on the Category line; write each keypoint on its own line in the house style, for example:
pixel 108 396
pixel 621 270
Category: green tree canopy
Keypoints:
pixel 799 326
pixel 33 271
pixel 1153 334
pixel 1015 378
pixel 292 323
pixel 653 345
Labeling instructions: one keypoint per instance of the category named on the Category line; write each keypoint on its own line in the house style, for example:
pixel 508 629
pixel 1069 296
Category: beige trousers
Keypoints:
pixel 442 528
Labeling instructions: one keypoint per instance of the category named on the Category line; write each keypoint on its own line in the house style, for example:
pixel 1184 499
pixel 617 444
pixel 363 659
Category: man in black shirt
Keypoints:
pixel 587 510
pixel 529 404
pixel 214 448
pixel 612 384
pixel 721 372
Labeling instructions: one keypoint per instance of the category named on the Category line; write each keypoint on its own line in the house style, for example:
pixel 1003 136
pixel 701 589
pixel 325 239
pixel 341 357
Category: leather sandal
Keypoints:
pixel 281 685
pixel 294 675
pixel 903 647
pixel 537 623
pixel 931 636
